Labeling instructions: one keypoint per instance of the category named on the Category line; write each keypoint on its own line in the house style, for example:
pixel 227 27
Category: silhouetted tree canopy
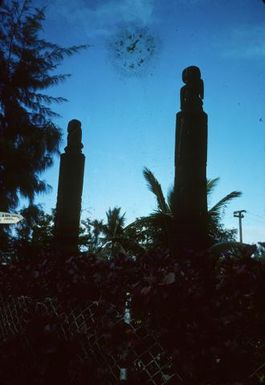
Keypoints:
pixel 28 136
pixel 158 227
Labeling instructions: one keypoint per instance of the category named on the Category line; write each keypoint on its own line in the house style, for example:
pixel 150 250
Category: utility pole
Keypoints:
pixel 239 214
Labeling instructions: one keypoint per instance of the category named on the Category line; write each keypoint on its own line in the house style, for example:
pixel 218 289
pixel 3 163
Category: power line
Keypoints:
pixel 256 215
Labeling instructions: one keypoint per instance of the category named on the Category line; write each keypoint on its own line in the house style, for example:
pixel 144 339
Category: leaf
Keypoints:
pixel 146 290
pixel 155 187
pixel 169 279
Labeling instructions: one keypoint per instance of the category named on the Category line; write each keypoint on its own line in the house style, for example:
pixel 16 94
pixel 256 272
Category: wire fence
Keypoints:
pixel 87 321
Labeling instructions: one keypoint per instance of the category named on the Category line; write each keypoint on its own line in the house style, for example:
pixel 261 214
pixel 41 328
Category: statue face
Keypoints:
pixel 74 124
pixel 191 74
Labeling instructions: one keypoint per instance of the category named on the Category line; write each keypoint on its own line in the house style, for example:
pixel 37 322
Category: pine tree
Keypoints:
pixel 28 137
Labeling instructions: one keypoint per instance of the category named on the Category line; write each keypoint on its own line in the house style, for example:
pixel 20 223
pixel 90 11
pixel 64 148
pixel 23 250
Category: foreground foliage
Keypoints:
pixel 206 311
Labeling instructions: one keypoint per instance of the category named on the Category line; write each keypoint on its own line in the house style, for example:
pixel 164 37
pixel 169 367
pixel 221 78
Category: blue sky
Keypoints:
pixel 127 107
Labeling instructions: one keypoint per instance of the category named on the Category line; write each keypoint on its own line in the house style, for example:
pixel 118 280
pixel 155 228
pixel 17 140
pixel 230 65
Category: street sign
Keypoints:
pixel 9 219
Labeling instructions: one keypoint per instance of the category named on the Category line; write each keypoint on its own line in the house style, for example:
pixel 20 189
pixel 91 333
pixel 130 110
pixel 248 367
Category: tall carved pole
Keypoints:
pixel 190 163
pixel 68 208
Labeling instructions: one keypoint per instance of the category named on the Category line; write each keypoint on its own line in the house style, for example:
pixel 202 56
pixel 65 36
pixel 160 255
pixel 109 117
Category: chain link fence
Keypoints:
pixel 86 321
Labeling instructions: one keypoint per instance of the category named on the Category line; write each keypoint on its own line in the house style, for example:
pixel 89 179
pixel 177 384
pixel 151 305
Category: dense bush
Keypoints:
pixel 206 312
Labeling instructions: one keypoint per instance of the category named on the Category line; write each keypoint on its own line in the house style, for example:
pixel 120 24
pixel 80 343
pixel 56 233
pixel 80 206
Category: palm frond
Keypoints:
pixel 115 222
pixel 156 220
pixel 211 184
pixel 138 223
pixel 171 200
pixel 215 211
pixel 155 187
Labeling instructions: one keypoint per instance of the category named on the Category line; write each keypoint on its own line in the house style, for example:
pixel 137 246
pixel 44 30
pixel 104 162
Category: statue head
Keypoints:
pixel 191 74
pixel 192 93
pixel 74 136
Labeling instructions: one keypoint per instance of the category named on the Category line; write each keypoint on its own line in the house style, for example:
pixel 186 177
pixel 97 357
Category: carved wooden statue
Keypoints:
pixel 190 162
pixel 74 136
pixel 70 188
pixel 191 95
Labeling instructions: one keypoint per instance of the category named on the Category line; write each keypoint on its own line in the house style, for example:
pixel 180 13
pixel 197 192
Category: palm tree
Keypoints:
pixel 217 231
pixel 161 221
pixel 118 238
pixel 113 230
pixel 111 238
pixel 90 235
pixel 158 224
